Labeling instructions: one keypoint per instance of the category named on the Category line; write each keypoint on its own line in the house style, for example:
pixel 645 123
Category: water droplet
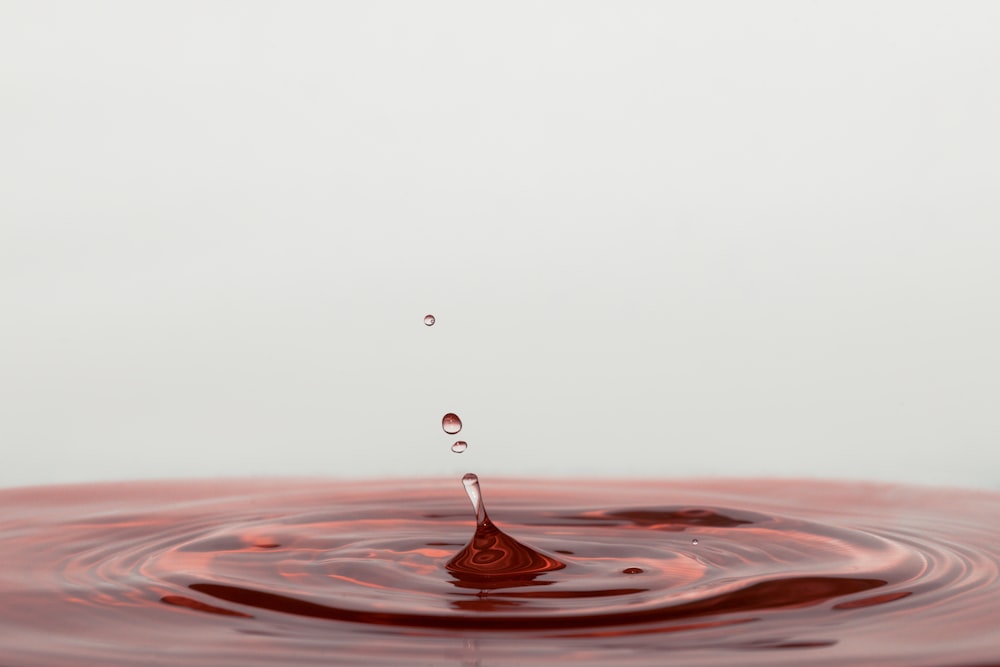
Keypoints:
pixel 451 423
pixel 429 320
pixel 695 541
pixel 632 570
pixel 460 446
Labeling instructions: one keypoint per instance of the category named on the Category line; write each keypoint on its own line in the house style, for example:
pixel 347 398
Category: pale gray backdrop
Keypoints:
pixel 661 239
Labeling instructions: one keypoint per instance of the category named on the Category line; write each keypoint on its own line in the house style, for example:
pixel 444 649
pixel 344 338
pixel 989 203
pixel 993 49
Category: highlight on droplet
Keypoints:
pixel 451 423
pixel 459 446
pixel 429 320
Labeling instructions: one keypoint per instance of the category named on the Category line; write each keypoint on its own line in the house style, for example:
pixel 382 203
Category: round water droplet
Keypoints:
pixel 632 570
pixel 695 541
pixel 451 423
pixel 429 320
pixel 460 446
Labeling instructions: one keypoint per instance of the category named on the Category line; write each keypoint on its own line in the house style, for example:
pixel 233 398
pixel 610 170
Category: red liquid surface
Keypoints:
pixel 292 572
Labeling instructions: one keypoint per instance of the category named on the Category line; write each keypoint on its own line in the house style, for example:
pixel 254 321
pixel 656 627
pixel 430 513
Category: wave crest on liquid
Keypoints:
pixel 749 572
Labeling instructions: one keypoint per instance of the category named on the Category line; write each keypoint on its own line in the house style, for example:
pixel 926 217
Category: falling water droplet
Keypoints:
pixel 695 541
pixel 460 446
pixel 632 570
pixel 451 423
pixel 429 320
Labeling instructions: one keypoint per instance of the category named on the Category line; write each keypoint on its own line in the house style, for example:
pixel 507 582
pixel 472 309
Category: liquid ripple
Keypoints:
pixel 736 572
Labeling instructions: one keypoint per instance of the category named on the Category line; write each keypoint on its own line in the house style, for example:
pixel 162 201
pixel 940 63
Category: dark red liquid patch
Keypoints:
pixel 589 573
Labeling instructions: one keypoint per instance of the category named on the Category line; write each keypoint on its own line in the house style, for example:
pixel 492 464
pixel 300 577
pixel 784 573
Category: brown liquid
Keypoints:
pixel 587 573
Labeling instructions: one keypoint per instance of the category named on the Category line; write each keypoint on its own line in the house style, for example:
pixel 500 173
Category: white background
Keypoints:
pixel 661 239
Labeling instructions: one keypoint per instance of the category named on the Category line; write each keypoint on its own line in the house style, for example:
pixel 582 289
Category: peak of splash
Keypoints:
pixel 492 558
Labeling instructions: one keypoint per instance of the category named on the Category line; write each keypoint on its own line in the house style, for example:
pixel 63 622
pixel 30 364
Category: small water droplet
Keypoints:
pixel 632 570
pixel 429 320
pixel 451 423
pixel 695 541
pixel 460 446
